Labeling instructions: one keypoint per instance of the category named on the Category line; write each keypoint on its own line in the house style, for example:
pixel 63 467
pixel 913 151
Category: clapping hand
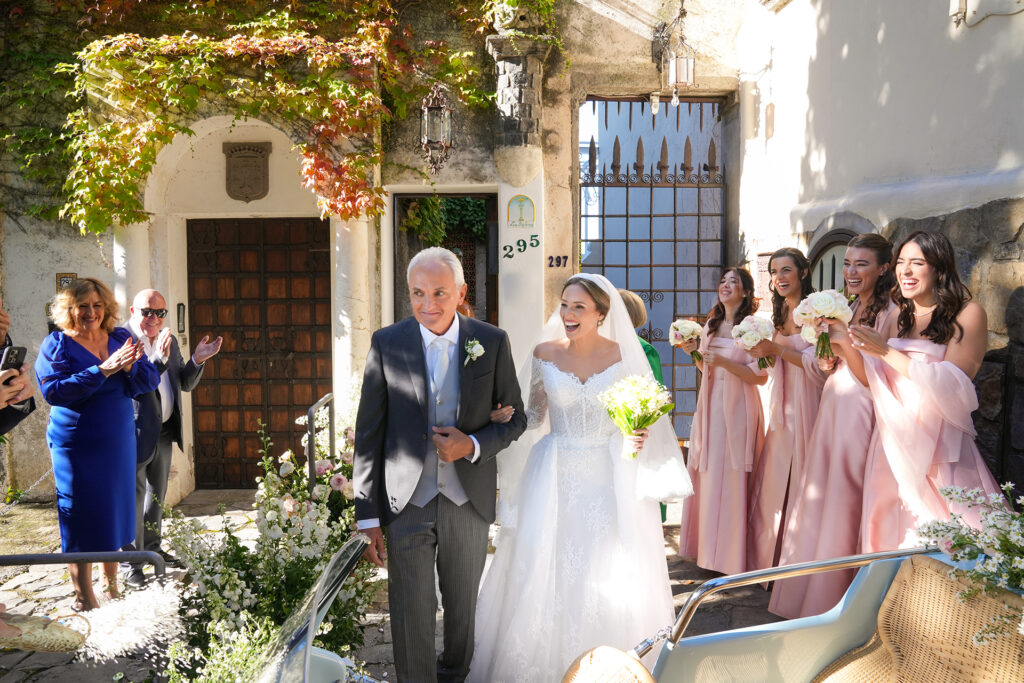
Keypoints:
pixel 123 358
pixel 163 343
pixel 206 349
pixel 502 414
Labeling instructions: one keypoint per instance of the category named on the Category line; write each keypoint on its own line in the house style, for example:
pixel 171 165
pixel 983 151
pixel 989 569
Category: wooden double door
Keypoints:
pixel 265 286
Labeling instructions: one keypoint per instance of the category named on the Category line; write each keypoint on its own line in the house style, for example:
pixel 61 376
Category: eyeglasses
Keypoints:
pixel 158 312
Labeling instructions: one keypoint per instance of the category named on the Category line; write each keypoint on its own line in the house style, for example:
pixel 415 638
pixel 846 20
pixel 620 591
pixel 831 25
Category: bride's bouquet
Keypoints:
pixel 825 304
pixel 635 402
pixel 751 332
pixel 682 331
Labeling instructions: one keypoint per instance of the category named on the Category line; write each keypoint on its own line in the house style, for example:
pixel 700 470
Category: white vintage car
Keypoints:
pixel 900 620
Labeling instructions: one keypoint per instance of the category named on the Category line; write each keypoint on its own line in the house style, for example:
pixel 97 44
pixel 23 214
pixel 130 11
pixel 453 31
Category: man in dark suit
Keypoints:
pixel 158 419
pixel 425 462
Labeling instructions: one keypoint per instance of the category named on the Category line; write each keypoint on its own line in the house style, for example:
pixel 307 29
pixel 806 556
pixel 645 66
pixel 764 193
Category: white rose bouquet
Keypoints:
pixel 635 402
pixel 752 331
pixel 682 331
pixel 825 304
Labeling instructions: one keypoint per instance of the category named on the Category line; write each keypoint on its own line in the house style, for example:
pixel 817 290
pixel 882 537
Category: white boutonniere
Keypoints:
pixel 474 350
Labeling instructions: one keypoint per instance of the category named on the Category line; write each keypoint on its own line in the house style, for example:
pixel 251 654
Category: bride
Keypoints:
pixel 580 558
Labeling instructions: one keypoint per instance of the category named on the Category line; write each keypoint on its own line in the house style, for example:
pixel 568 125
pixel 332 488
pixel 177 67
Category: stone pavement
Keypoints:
pixel 46 590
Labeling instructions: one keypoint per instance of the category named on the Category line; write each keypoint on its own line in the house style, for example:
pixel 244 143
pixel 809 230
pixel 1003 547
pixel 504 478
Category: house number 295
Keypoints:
pixel 521 245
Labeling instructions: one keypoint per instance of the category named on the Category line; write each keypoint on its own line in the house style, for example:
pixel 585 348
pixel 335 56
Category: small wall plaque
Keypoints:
pixel 248 170
pixel 521 212
pixel 65 279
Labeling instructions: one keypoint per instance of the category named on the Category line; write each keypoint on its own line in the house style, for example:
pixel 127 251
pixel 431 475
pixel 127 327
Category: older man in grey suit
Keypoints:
pixel 425 466
pixel 158 419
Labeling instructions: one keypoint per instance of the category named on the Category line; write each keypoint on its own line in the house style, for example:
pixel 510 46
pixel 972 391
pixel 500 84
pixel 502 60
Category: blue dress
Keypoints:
pixel 91 435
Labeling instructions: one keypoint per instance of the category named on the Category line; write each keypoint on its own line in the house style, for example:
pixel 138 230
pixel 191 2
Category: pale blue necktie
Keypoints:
pixel 439 349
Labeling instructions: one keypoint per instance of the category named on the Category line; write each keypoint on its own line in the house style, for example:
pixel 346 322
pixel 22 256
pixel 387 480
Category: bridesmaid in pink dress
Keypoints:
pixel 919 370
pixel 826 508
pixel 793 407
pixel 728 429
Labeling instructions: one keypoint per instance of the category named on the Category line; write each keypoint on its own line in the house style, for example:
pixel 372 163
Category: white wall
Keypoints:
pixel 880 108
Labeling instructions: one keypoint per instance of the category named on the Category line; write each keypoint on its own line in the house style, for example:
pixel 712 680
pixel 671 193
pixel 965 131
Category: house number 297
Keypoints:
pixel 521 245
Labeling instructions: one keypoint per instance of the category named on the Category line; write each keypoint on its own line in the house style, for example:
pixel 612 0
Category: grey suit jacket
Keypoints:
pixel 148 415
pixel 392 435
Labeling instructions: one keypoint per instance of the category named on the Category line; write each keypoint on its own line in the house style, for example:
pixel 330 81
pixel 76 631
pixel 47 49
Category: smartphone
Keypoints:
pixel 13 358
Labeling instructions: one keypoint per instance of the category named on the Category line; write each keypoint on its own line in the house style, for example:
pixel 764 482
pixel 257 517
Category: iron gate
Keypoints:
pixel 655 227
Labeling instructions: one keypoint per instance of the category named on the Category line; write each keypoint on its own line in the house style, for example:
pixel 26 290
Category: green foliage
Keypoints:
pixel 128 76
pixel 423 218
pixel 233 655
pixel 434 217
pixel 13 495
pixel 236 583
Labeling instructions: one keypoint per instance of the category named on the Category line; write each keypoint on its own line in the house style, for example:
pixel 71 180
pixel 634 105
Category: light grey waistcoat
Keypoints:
pixel 437 476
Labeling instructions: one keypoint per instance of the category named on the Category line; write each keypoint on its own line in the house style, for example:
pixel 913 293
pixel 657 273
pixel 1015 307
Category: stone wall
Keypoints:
pixel 989 244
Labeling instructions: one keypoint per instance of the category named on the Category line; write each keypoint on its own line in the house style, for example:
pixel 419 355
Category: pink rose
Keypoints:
pixel 338 481
pixel 290 505
pixel 323 467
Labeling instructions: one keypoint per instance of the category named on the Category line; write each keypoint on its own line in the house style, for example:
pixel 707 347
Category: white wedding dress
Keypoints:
pixel 585 563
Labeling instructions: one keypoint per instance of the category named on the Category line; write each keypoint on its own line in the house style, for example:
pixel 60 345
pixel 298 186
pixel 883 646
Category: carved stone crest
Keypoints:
pixel 248 170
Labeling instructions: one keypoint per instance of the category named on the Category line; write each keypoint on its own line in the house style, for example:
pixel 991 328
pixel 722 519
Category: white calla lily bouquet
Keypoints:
pixel 635 402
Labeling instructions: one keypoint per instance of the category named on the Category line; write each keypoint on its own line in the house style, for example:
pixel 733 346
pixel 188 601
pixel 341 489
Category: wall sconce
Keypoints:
pixel 676 58
pixel 436 129
pixel 655 102
pixel 181 318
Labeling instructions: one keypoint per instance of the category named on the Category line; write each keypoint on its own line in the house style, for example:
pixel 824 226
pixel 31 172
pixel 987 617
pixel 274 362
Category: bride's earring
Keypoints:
pixel 600 322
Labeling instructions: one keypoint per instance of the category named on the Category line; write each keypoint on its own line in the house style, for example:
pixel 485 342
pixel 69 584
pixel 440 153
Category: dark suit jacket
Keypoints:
pixel 392 432
pixel 16 412
pixel 148 416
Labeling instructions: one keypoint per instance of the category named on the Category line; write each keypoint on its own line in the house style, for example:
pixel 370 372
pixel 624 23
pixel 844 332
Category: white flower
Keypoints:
pixel 286 468
pixel 285 457
pixel 683 330
pixel 474 349
pixel 348 490
pixel 751 331
pixel 809 334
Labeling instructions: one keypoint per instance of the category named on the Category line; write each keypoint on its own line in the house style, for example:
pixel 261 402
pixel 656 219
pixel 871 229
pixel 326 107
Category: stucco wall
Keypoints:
pixel 33 253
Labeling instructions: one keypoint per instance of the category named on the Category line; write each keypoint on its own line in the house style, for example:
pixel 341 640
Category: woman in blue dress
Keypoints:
pixel 88 372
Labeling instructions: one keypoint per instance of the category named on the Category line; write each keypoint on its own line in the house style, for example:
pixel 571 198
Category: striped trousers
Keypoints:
pixel 454 538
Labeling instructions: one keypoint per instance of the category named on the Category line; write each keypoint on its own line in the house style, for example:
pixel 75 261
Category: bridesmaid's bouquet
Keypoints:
pixel 751 332
pixel 825 304
pixel 684 330
pixel 635 402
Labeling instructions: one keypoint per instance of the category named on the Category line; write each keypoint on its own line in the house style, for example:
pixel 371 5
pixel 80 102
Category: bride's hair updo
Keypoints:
pixel 747 306
pixel 599 296
pixel 951 294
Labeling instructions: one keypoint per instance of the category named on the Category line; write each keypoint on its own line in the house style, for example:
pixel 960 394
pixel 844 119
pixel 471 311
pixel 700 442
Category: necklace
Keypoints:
pixel 919 314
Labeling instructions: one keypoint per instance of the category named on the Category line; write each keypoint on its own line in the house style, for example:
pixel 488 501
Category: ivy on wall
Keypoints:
pixel 331 73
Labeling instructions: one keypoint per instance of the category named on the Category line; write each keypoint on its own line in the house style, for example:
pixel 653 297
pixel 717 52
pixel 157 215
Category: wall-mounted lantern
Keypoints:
pixel 676 57
pixel 436 128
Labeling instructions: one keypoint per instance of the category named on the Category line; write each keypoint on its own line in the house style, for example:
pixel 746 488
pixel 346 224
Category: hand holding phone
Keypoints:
pixel 13 358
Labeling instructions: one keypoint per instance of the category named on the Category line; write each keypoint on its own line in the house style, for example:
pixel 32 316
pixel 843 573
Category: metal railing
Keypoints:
pixel 132 556
pixel 327 399
pixel 721 583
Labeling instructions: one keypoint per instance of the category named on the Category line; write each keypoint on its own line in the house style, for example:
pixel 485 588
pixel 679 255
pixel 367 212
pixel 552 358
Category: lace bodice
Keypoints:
pixel 571 405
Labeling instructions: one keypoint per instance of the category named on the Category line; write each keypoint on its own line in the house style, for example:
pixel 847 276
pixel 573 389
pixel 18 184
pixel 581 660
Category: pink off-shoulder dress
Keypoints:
pixel 778 468
pixel 824 521
pixel 728 429
pixel 924 440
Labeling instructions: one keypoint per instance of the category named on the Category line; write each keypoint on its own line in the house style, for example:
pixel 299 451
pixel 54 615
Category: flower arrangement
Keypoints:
pixel 474 349
pixel 825 304
pixel 751 331
pixel 682 331
pixel 635 402
pixel 997 547
pixel 298 531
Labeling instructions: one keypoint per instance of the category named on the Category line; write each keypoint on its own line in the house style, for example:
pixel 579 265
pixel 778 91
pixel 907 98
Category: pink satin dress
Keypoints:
pixel 778 468
pixel 728 429
pixel 824 521
pixel 924 440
